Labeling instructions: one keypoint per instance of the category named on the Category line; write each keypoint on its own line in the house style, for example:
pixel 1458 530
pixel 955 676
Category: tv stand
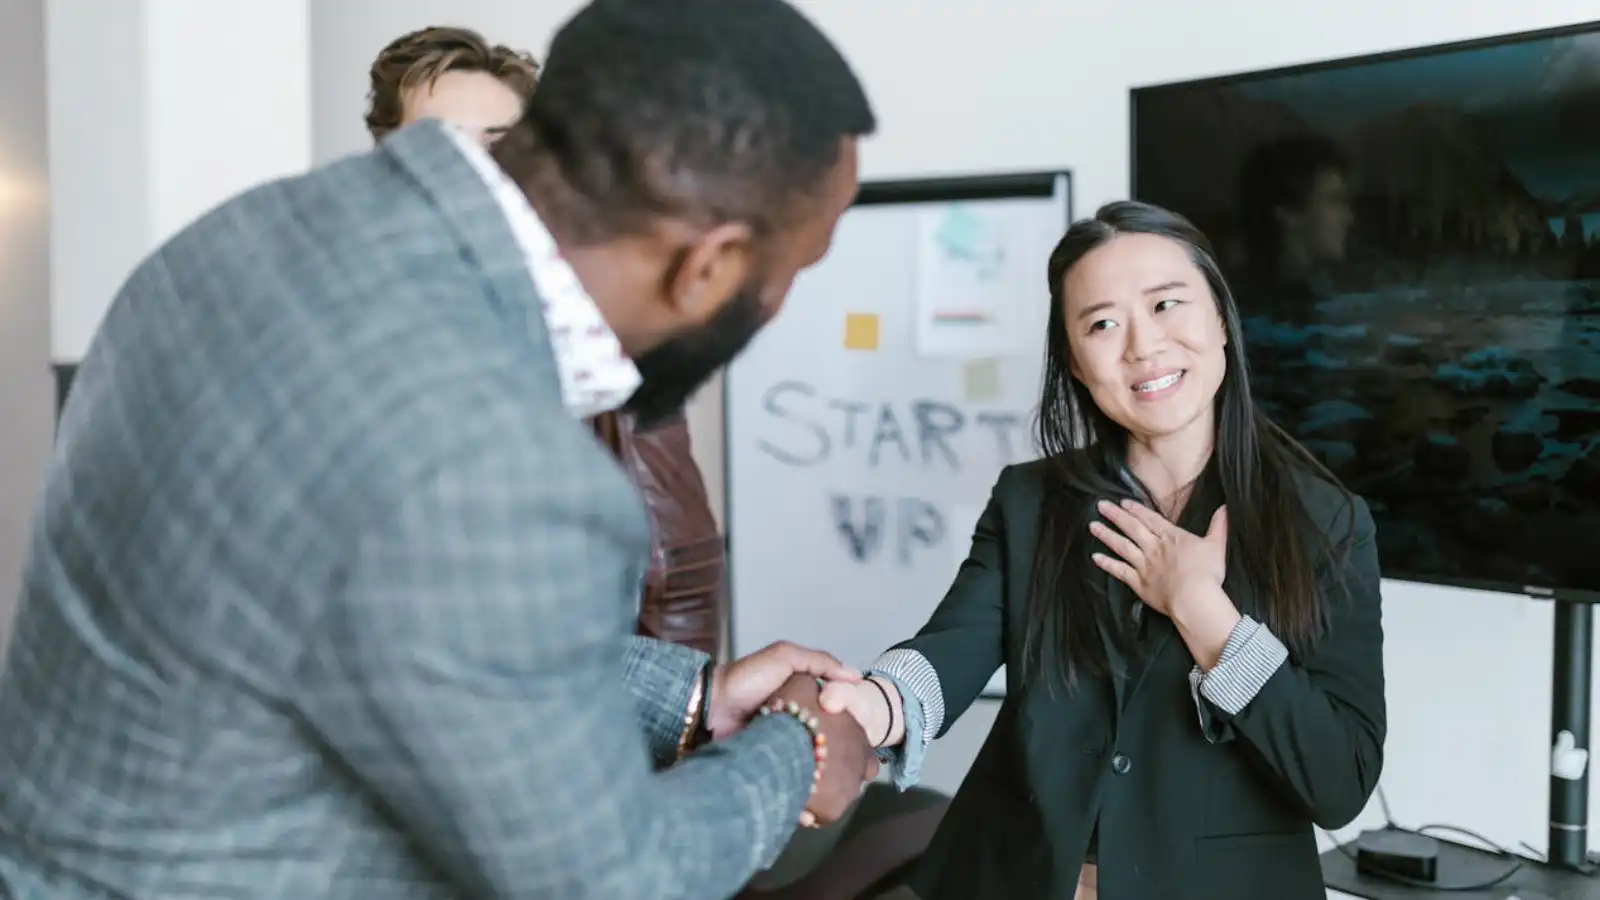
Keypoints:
pixel 1573 645
pixel 1569 870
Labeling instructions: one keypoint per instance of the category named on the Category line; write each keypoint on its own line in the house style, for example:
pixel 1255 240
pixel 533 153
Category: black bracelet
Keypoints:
pixel 886 702
pixel 702 731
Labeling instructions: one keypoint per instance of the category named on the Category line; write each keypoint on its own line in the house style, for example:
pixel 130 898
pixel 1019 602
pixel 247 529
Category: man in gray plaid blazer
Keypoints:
pixel 329 589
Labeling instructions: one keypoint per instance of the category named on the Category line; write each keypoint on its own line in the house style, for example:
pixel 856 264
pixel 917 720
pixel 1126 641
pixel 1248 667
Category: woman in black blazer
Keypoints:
pixel 1185 601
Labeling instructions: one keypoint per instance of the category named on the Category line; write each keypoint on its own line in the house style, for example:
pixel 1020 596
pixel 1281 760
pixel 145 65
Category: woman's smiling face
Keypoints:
pixel 1145 336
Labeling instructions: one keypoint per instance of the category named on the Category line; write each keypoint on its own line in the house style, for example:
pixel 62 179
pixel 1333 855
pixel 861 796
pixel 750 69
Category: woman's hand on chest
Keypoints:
pixel 1163 563
pixel 1175 572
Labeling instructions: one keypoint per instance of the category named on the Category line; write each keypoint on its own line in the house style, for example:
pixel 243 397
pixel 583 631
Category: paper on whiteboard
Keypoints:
pixel 968 283
pixel 980 380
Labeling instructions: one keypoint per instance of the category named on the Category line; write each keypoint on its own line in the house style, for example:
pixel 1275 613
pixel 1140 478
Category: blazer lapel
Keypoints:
pixel 1161 634
pixel 479 225
pixel 1126 677
pixel 1160 628
pixel 1116 660
pixel 469 220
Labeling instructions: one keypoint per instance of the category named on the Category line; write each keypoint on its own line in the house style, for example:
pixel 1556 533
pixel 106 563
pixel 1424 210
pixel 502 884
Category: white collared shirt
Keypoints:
pixel 596 376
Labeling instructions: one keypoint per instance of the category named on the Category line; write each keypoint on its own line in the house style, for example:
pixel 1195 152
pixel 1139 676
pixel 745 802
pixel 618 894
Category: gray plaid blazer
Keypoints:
pixel 328 597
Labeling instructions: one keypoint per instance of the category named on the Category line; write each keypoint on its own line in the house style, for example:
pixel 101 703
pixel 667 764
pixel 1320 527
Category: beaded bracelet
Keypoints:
pixel 819 741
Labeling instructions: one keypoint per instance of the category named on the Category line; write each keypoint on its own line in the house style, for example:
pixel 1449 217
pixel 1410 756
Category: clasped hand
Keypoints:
pixel 788 672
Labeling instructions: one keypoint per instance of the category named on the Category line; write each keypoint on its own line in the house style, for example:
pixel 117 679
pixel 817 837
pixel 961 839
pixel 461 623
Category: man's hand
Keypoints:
pixel 739 688
pixel 849 761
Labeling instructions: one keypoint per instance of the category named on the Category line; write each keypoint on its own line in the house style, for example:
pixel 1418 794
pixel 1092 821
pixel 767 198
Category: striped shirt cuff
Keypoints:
pixel 905 759
pixel 1252 655
pixel 912 672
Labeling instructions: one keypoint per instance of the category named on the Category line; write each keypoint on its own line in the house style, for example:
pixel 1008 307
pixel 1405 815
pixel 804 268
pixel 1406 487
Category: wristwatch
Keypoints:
pixel 702 727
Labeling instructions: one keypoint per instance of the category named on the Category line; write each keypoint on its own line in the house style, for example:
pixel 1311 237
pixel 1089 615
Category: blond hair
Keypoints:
pixel 419 58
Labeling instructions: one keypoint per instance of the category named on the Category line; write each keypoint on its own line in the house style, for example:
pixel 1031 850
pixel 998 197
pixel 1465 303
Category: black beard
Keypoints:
pixel 672 372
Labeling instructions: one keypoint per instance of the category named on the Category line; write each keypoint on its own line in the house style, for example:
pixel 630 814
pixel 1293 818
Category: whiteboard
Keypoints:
pixel 865 427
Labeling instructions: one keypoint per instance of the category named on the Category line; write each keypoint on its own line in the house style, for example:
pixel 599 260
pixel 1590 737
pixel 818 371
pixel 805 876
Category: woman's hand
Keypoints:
pixel 1175 573
pixel 1163 563
pixel 875 705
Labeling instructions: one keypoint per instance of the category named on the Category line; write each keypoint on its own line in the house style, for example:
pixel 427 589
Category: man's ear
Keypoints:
pixel 710 270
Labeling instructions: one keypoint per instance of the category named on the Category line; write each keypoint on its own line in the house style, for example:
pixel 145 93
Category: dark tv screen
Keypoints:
pixel 1414 243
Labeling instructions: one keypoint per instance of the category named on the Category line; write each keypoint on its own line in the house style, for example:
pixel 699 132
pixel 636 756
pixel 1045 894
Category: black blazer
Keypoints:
pixel 1181 816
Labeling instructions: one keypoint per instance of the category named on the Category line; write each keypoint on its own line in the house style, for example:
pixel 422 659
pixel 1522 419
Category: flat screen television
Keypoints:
pixel 1414 242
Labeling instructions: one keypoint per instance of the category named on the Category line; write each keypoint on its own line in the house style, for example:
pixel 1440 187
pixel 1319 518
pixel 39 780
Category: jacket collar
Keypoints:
pixel 530 284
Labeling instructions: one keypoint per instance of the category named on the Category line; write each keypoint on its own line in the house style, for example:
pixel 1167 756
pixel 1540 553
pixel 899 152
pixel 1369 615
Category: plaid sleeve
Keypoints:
pixel 467 675
pixel 661 677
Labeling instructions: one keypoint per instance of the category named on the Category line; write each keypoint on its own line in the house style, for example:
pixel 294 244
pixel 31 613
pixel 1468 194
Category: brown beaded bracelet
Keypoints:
pixel 819 741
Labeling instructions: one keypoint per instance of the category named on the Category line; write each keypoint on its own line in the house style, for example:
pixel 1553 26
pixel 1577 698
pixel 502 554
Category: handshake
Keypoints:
pixel 855 715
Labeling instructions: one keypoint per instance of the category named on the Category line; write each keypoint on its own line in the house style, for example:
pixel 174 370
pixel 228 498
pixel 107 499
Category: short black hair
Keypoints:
pixel 713 110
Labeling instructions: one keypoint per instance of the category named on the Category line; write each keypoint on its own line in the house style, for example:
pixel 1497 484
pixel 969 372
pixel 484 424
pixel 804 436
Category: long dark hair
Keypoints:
pixel 1253 469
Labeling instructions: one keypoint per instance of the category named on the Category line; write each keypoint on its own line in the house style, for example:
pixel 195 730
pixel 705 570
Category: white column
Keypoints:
pixel 27 421
pixel 160 110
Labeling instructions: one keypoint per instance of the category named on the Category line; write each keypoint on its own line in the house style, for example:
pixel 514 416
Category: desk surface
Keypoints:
pixel 1459 864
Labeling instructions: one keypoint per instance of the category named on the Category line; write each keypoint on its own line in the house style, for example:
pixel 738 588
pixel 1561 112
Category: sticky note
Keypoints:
pixel 861 331
pixel 980 380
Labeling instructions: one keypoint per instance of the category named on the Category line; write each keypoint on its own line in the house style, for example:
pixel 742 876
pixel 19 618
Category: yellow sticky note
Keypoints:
pixel 861 331
pixel 980 380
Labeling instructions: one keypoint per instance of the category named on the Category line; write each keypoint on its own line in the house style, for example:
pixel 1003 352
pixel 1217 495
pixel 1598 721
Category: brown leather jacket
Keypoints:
pixel 682 600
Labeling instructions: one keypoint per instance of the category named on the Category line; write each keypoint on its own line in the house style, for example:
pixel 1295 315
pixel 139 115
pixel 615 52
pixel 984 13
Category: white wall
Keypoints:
pixel 159 110
pixel 27 419
pixel 99 153
pixel 967 87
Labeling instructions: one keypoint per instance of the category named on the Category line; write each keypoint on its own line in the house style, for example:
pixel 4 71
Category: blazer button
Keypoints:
pixel 1121 764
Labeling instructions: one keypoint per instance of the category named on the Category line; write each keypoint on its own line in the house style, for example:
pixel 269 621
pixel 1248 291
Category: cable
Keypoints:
pixel 1514 862
pixel 1383 804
